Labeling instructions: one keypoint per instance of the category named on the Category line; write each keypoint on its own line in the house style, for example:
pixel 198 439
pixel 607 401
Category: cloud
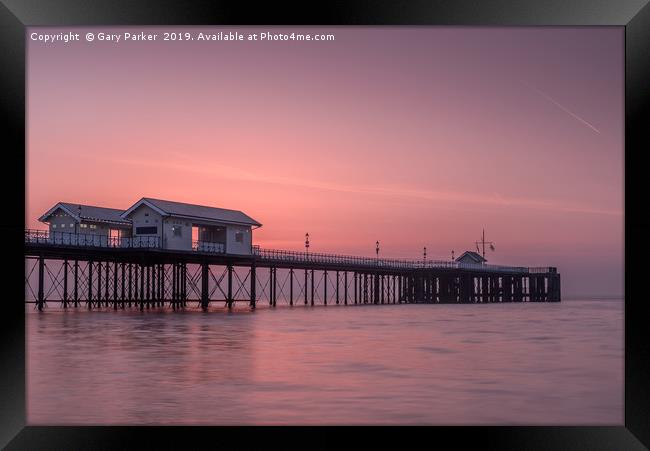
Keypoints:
pixel 231 173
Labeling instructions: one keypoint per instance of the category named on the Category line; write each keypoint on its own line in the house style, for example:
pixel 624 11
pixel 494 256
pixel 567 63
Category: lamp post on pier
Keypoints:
pixel 307 243
pixel 377 249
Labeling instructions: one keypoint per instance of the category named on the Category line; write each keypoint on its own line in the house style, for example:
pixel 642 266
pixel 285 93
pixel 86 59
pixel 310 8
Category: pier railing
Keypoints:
pixel 90 240
pixel 208 246
pixel 274 255
pixel 310 257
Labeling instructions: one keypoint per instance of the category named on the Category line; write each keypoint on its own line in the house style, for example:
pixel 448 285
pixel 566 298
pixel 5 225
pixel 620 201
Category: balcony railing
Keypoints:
pixel 89 240
pixel 207 246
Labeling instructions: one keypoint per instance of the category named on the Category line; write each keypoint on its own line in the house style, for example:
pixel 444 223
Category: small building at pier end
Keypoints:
pixel 471 257
pixel 155 223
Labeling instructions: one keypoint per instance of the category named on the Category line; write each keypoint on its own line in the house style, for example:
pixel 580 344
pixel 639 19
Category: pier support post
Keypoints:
pixel 376 288
pixel 184 284
pixel 76 283
pixel 312 287
pixel 507 288
pixel 230 299
pixel 99 284
pixel 90 284
pixel 518 294
pixel 419 287
pixel 41 282
pixel 142 292
pixel 148 285
pixel 130 283
pixel 291 286
pixel 271 284
pixel 114 285
pixel 305 291
pixel 65 283
pixel 345 288
pixel 465 281
pixel 253 286
pixel 337 288
pixel 174 284
pixel 556 292
pixel 123 267
pixel 205 295
pixel 106 295
pixel 325 287
pixel 398 294
pixel 365 288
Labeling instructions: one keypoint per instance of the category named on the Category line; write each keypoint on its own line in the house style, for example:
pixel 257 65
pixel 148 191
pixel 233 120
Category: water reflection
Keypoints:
pixel 515 364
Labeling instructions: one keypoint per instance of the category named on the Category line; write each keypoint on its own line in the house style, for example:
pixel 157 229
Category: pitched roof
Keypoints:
pixel 478 258
pixel 88 213
pixel 170 208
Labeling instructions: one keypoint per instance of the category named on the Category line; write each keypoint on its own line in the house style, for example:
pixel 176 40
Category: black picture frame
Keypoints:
pixel 15 15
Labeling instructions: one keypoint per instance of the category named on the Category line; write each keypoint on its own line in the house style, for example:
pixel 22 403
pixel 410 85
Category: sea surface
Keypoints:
pixel 552 364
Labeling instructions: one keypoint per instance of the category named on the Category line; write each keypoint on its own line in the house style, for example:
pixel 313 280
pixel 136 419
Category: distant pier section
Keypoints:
pixel 164 253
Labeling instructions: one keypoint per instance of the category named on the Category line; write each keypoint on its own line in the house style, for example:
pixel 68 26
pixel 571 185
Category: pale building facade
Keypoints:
pixel 156 223
pixel 96 224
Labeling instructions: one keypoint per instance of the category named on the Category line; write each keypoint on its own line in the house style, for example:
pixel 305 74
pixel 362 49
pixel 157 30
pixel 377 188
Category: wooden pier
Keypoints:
pixel 109 274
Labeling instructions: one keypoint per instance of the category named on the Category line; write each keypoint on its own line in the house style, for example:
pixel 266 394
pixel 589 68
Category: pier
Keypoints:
pixel 102 271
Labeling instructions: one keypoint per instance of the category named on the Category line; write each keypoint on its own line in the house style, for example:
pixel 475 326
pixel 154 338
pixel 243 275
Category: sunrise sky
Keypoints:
pixel 413 136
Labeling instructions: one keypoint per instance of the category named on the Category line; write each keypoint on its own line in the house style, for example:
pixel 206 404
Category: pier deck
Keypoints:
pixel 120 273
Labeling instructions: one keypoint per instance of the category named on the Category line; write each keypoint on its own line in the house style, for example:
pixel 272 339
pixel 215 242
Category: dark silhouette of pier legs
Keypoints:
pixel 365 288
pixel 290 287
pixel 90 284
pixel 230 299
pixel 312 287
pixel 305 291
pixel 253 286
pixel 205 295
pixel 151 281
pixel 175 290
pixel 76 283
pixel 337 288
pixel 123 275
pixel 114 285
pixel 106 284
pixel 99 284
pixel 41 282
pixel 65 283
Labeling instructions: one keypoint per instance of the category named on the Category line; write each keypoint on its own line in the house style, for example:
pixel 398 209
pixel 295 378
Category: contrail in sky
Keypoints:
pixel 559 105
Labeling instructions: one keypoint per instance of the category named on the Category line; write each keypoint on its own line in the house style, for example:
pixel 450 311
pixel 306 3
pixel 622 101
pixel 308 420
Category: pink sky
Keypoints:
pixel 413 136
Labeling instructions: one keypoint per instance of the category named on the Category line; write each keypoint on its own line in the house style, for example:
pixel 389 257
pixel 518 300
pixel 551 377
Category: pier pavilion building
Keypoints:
pixel 153 223
pixel 66 219
pixel 182 226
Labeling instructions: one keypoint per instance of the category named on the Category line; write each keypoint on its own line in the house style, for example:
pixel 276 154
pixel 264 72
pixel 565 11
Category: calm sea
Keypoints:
pixel 559 363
